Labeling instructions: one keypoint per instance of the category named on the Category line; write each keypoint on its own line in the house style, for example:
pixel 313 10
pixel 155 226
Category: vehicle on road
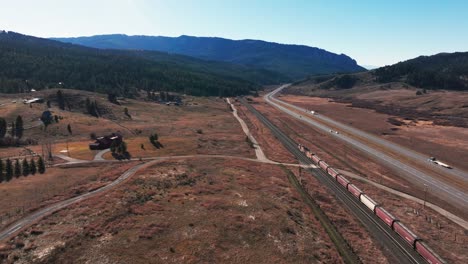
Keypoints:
pixel 435 161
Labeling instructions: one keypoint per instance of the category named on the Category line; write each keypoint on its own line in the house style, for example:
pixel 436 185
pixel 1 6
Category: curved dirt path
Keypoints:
pixel 457 220
pixel 99 155
pixel 32 218
pixel 69 159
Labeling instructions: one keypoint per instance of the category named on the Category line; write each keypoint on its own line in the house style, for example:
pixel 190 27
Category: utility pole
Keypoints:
pixel 425 195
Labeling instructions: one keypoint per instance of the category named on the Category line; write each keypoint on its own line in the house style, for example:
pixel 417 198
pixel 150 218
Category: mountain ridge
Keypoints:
pixel 292 60
pixel 37 63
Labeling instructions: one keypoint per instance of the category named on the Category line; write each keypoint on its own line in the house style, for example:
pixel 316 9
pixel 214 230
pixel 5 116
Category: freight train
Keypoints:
pixel 404 232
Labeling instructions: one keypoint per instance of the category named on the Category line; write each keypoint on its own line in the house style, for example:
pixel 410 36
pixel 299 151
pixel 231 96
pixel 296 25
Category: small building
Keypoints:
pixel 105 142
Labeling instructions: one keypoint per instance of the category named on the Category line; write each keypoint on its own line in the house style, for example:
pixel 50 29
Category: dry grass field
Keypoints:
pixel 190 211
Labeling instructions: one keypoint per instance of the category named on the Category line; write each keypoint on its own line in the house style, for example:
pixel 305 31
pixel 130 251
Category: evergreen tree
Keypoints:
pixel 41 165
pixel 32 165
pixel 1 171
pixel 17 168
pixel 8 170
pixel 26 168
pixel 60 100
pixel 13 130
pixel 69 129
pixel 19 127
pixel 3 127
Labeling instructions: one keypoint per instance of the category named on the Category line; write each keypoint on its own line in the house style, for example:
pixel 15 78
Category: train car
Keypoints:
pixel 309 154
pixel 427 253
pixel 367 201
pixel 354 190
pixel 385 216
pixel 405 233
pixel 332 172
pixel 343 181
pixel 316 159
pixel 323 165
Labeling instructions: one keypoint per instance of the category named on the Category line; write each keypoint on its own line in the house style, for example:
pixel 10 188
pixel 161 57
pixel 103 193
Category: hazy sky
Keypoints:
pixel 374 32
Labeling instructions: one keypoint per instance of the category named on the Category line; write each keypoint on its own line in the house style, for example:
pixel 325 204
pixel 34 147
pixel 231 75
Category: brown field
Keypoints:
pixel 190 211
pixel 202 126
pixel 24 195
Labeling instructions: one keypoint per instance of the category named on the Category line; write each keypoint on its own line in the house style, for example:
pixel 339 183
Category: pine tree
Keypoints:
pixel 69 129
pixel 13 130
pixel 41 165
pixel 3 127
pixel 19 127
pixel 60 100
pixel 33 168
pixel 1 171
pixel 17 169
pixel 26 168
pixel 8 170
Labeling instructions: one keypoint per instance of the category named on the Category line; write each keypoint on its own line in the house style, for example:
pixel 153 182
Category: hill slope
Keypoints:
pixel 29 62
pixel 431 88
pixel 442 71
pixel 294 61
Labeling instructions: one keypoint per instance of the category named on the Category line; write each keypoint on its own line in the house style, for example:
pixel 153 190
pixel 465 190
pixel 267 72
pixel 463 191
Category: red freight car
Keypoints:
pixel 342 180
pixel 354 190
pixel 427 253
pixel 323 165
pixel 385 216
pixel 316 159
pixel 332 172
pixel 405 233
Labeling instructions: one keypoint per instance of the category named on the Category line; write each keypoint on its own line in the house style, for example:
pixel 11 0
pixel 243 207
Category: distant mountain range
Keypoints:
pixel 293 61
pixel 28 62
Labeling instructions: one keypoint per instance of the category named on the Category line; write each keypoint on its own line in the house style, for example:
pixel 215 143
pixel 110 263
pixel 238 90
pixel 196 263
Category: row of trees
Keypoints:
pixel 17 127
pixel 8 169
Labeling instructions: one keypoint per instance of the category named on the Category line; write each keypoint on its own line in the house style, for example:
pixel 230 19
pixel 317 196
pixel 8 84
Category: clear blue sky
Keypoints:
pixel 372 32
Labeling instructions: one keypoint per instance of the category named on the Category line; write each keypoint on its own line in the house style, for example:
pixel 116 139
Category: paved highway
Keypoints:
pixel 455 172
pixel 451 194
pixel 390 241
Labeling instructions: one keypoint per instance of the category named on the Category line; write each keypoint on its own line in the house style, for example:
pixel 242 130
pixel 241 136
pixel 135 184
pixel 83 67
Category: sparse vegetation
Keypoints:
pixel 119 150
pixel 154 139
pixel 60 100
pixel 41 168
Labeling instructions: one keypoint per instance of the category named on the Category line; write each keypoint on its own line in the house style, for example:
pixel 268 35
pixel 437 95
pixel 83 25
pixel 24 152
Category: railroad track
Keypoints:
pixel 390 242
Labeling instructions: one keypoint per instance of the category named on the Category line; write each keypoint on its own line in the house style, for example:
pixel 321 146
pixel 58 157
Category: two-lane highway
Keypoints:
pixel 452 194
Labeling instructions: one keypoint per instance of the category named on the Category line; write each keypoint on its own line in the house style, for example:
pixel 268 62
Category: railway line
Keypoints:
pixel 393 245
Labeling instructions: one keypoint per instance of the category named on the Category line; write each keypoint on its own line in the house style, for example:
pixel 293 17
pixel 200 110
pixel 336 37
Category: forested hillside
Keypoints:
pixel 442 71
pixel 34 63
pixel 294 61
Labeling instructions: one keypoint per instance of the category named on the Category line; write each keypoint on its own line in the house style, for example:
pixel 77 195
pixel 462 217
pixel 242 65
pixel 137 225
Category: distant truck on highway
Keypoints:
pixel 435 161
